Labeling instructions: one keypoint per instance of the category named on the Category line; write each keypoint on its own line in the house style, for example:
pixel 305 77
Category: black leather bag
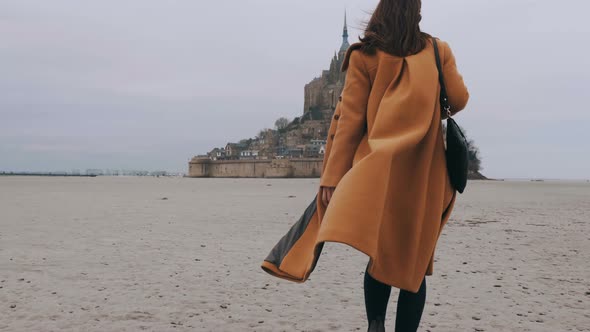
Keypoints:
pixel 457 152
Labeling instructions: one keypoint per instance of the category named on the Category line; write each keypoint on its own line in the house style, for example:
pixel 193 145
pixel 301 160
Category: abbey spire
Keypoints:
pixel 345 43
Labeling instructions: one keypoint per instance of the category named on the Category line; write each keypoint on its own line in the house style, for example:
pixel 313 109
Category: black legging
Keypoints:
pixel 409 305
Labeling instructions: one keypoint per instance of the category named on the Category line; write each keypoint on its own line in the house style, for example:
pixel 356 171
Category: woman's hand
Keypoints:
pixel 326 194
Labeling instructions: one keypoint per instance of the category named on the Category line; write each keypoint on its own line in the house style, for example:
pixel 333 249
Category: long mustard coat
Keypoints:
pixel 386 157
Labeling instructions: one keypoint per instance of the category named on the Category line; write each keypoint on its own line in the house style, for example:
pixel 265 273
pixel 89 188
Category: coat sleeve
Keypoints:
pixel 456 89
pixel 351 122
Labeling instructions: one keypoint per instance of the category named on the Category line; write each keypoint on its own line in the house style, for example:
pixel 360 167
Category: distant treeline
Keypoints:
pixel 43 174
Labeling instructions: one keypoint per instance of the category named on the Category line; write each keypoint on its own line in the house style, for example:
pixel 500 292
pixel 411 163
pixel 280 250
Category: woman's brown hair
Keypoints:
pixel 394 28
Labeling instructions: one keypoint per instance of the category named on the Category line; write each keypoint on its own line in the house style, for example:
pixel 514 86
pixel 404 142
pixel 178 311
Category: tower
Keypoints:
pixel 321 94
pixel 345 44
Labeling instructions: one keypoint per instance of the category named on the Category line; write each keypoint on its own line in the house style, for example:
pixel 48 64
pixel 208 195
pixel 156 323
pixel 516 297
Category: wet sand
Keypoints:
pixel 170 254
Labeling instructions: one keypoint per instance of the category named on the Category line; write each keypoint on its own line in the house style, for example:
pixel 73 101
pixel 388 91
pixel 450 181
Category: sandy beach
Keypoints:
pixel 173 254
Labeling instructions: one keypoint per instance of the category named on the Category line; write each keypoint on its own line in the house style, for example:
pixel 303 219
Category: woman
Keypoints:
pixel 384 188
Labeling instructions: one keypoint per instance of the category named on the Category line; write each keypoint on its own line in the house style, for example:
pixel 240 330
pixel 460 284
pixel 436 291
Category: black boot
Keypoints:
pixel 377 326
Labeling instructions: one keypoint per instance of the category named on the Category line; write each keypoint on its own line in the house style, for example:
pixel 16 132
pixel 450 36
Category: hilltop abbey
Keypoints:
pixel 322 92
pixel 294 149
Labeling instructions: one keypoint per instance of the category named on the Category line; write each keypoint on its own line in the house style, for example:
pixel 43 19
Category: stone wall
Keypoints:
pixel 276 168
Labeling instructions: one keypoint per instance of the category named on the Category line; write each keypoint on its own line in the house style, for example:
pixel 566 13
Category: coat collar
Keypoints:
pixel 351 48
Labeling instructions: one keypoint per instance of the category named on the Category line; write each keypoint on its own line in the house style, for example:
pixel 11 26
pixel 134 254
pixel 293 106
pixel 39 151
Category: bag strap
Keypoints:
pixel 444 98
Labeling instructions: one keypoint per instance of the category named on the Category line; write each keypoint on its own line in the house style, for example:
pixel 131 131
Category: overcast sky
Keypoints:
pixel 147 84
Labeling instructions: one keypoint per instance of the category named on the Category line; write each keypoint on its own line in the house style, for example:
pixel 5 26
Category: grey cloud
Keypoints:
pixel 147 84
